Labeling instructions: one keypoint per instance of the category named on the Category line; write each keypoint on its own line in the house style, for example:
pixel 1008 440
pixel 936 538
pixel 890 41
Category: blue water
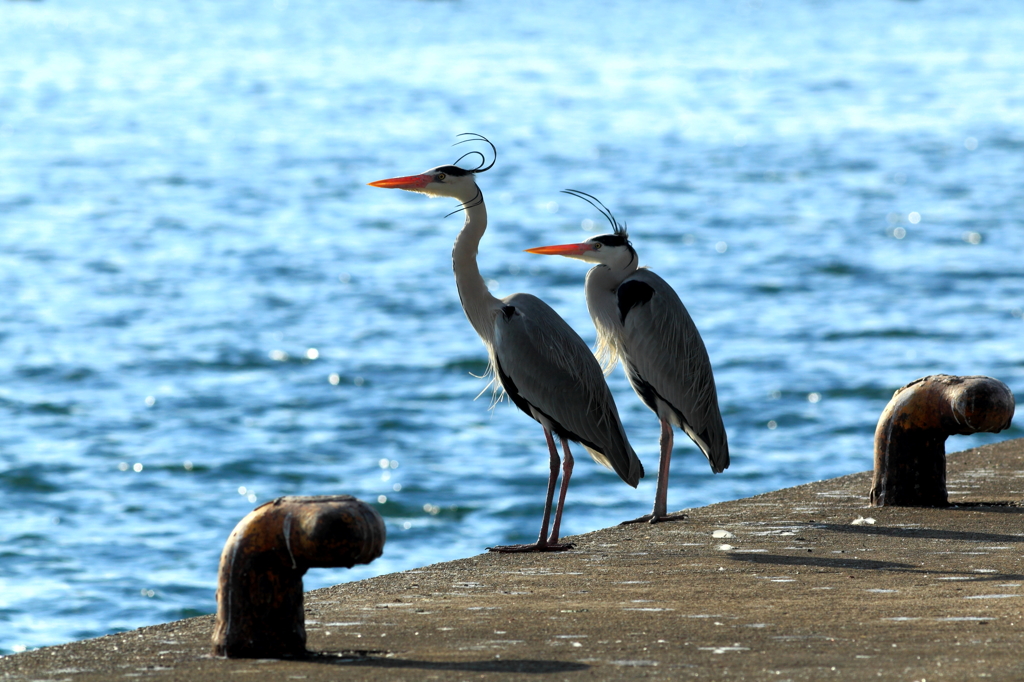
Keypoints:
pixel 204 307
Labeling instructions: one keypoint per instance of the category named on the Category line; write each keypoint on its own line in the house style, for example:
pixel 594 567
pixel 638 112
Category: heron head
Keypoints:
pixel 449 180
pixel 443 181
pixel 613 250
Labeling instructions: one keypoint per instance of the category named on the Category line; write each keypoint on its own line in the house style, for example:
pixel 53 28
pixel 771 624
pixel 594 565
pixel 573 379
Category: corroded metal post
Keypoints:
pixel 910 440
pixel 259 586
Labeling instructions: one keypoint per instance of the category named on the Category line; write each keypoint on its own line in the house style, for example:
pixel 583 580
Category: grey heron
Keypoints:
pixel 544 366
pixel 641 321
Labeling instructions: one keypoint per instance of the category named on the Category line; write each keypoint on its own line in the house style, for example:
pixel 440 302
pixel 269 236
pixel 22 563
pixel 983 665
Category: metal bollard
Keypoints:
pixel 259 586
pixel 910 440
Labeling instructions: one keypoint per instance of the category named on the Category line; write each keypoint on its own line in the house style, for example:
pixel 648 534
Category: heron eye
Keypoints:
pixel 441 176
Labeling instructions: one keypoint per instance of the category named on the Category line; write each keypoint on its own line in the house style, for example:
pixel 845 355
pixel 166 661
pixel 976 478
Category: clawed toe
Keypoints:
pixel 651 518
pixel 535 547
pixel 668 517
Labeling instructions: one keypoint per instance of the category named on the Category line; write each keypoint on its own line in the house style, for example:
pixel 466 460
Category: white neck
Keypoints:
pixel 602 302
pixel 477 302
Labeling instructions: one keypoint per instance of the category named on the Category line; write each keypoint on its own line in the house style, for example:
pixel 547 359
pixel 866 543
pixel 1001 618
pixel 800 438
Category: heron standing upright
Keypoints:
pixel 641 321
pixel 541 363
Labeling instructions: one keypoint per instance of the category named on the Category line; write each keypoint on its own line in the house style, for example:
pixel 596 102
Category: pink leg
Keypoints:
pixel 552 478
pixel 661 496
pixel 542 544
pixel 660 512
pixel 567 463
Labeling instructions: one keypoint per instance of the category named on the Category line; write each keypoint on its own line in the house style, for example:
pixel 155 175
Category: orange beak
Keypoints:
pixel 411 182
pixel 563 249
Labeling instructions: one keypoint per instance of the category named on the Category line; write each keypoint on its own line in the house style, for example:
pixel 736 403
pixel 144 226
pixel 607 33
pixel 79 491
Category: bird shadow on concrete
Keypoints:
pixel 925 533
pixel 842 564
pixel 823 562
pixel 494 665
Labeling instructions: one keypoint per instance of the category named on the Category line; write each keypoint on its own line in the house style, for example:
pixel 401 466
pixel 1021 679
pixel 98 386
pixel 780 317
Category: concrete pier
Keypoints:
pixel 807 583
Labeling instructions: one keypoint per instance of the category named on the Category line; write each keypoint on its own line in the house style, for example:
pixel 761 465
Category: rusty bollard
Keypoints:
pixel 259 586
pixel 910 440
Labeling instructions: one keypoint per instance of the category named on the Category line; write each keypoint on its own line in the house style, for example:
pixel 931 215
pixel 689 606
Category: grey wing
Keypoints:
pixel 544 365
pixel 665 357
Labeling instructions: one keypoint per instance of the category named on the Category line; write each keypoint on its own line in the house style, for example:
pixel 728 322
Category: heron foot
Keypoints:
pixel 651 518
pixel 678 516
pixel 535 547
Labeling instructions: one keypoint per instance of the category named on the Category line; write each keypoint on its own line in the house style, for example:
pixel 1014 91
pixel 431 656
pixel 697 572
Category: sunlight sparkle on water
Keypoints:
pixel 175 300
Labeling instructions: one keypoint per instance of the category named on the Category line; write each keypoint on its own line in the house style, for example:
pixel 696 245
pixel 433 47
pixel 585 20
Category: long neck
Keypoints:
pixel 602 302
pixel 603 282
pixel 477 302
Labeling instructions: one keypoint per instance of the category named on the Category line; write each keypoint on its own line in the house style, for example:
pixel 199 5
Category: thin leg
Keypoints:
pixel 552 478
pixel 542 544
pixel 567 463
pixel 660 512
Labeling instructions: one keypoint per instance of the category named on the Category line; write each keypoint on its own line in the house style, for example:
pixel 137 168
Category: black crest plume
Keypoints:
pixel 596 203
pixel 480 168
pixel 483 165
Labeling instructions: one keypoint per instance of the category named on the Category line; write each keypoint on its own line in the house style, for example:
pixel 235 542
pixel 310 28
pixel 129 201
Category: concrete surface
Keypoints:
pixel 800 590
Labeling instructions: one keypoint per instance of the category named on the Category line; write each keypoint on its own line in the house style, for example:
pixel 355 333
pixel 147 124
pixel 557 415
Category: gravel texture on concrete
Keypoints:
pixel 806 583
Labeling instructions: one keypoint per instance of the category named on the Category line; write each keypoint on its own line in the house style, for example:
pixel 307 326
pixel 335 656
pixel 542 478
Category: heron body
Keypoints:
pixel 642 322
pixel 544 366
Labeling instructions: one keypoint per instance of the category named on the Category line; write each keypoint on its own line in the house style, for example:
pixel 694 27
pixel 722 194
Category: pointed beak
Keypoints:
pixel 569 250
pixel 410 182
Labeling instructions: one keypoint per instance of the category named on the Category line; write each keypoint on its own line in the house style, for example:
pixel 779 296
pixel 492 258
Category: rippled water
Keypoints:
pixel 204 307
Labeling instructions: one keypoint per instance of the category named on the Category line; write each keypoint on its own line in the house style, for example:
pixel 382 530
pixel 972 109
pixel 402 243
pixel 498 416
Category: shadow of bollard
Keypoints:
pixel 259 586
pixel 910 440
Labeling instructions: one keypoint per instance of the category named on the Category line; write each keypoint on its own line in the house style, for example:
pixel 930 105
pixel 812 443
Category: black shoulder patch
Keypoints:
pixel 632 293
pixel 508 311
